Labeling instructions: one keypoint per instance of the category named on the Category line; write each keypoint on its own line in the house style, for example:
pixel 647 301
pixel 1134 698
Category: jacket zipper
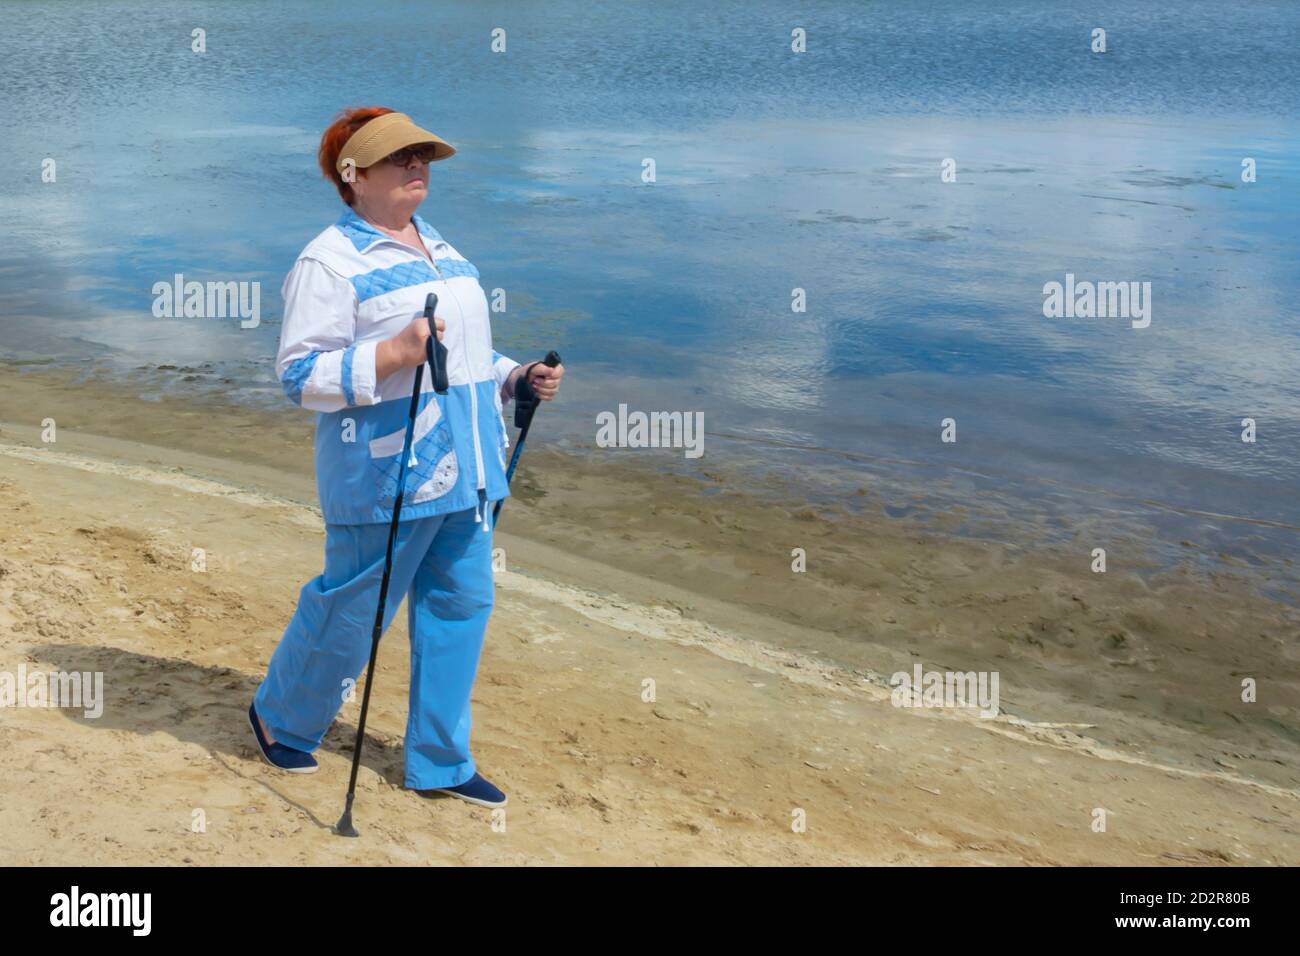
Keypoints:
pixel 469 375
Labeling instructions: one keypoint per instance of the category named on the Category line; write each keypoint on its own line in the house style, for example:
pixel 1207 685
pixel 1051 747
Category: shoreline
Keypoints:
pixel 964 499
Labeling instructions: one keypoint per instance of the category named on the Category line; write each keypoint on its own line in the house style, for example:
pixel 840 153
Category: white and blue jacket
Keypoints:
pixel 351 288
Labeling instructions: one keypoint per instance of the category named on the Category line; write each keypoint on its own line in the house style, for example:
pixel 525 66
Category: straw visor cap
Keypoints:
pixel 387 134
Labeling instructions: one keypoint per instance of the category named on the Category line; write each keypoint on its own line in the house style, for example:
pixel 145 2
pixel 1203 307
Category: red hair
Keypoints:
pixel 336 136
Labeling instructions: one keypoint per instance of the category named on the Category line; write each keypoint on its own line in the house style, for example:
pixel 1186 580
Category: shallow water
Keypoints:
pixel 775 171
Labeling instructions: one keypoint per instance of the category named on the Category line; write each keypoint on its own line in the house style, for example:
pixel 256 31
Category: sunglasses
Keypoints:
pixel 425 152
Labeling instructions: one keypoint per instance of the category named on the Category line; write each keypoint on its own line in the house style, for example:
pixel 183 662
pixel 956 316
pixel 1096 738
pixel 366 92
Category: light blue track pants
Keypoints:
pixel 444 566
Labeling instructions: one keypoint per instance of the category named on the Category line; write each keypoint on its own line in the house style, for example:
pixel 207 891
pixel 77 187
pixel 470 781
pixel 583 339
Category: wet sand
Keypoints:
pixel 1119 691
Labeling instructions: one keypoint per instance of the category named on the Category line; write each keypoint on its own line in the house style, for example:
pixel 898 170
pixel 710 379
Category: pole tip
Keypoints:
pixel 344 827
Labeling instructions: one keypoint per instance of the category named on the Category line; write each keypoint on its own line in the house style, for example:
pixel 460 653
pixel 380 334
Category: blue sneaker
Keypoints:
pixel 477 790
pixel 277 754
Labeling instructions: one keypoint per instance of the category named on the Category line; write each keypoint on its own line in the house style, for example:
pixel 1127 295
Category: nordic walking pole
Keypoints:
pixel 436 355
pixel 526 402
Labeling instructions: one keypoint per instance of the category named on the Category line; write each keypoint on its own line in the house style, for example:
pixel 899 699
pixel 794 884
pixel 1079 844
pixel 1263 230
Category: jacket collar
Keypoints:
pixel 363 235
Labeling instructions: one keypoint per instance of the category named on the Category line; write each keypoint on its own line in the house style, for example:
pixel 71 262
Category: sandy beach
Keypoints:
pixel 1119 691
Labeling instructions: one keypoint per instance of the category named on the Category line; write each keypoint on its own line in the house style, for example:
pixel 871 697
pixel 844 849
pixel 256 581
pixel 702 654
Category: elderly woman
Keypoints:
pixel 352 337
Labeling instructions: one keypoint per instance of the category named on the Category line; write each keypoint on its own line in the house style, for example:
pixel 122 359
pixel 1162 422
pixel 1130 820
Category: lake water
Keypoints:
pixel 775 171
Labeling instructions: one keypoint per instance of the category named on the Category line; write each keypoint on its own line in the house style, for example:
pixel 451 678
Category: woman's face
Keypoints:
pixel 395 181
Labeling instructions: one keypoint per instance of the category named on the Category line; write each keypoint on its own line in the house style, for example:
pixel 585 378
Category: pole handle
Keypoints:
pixel 526 400
pixel 436 351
